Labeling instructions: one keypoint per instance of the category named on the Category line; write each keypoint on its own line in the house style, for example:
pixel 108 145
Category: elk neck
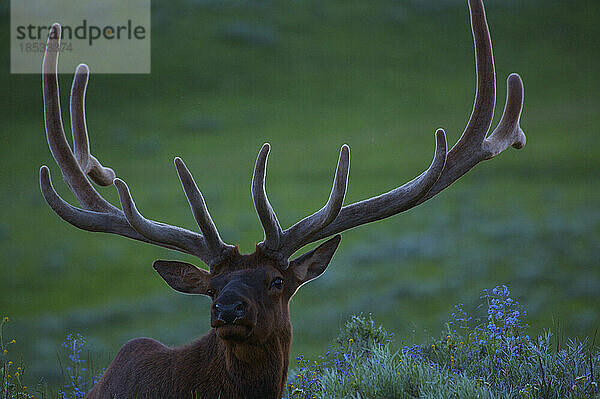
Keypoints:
pixel 260 369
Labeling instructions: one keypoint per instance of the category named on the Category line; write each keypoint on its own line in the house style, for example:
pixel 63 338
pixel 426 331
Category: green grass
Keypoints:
pixel 485 352
pixel 378 75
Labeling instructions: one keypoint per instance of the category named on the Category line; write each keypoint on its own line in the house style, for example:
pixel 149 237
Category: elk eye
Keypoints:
pixel 277 283
pixel 210 292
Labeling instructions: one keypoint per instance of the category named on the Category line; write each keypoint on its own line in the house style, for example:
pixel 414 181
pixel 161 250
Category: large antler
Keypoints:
pixel 97 214
pixel 472 148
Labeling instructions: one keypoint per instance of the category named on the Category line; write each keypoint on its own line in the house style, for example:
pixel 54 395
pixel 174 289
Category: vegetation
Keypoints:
pixel 488 357
pixel 75 365
pixel 308 76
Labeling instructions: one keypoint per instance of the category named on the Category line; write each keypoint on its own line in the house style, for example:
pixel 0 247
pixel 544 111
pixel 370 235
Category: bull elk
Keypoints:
pixel 246 352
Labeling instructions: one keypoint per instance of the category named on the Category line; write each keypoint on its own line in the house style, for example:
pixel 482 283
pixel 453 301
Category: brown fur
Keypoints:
pixel 250 361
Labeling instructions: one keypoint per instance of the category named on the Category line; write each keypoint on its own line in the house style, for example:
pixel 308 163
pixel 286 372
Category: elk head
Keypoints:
pixel 250 293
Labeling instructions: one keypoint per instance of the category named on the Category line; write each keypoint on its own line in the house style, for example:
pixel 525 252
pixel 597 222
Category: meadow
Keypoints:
pixel 486 353
pixel 308 76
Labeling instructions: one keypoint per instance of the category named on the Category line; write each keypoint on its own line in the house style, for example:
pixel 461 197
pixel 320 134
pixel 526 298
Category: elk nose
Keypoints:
pixel 229 312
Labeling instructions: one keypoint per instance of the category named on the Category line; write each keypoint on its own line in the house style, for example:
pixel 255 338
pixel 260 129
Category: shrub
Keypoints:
pixel 492 357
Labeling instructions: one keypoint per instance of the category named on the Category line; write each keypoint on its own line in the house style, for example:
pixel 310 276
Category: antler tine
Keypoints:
pixel 508 132
pixel 182 239
pixel 90 220
pixel 317 221
pixel 84 219
pixel 266 214
pixel 88 163
pixel 385 205
pixel 473 147
pixel 485 94
pixel 200 211
pixel 87 196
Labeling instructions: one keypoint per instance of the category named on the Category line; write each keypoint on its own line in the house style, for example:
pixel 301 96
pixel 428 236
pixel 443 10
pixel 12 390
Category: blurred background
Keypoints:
pixel 308 76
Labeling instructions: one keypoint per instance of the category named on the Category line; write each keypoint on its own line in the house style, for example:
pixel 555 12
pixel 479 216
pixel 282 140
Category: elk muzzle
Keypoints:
pixel 232 317
pixel 232 313
pixel 228 313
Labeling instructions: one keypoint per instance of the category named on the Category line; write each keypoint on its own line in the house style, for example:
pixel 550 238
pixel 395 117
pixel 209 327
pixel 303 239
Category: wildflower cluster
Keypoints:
pixel 11 373
pixel 500 335
pixel 79 372
pixel 498 351
pixel 460 319
pixel 505 330
pixel 307 379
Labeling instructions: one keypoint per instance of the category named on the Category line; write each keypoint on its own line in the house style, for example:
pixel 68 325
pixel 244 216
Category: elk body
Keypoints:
pixel 246 352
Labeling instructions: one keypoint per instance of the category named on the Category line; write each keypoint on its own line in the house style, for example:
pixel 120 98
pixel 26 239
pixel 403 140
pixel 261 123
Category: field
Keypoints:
pixel 307 77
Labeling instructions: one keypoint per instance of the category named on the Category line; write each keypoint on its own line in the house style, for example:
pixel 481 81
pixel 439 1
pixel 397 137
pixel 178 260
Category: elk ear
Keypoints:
pixel 312 264
pixel 183 277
